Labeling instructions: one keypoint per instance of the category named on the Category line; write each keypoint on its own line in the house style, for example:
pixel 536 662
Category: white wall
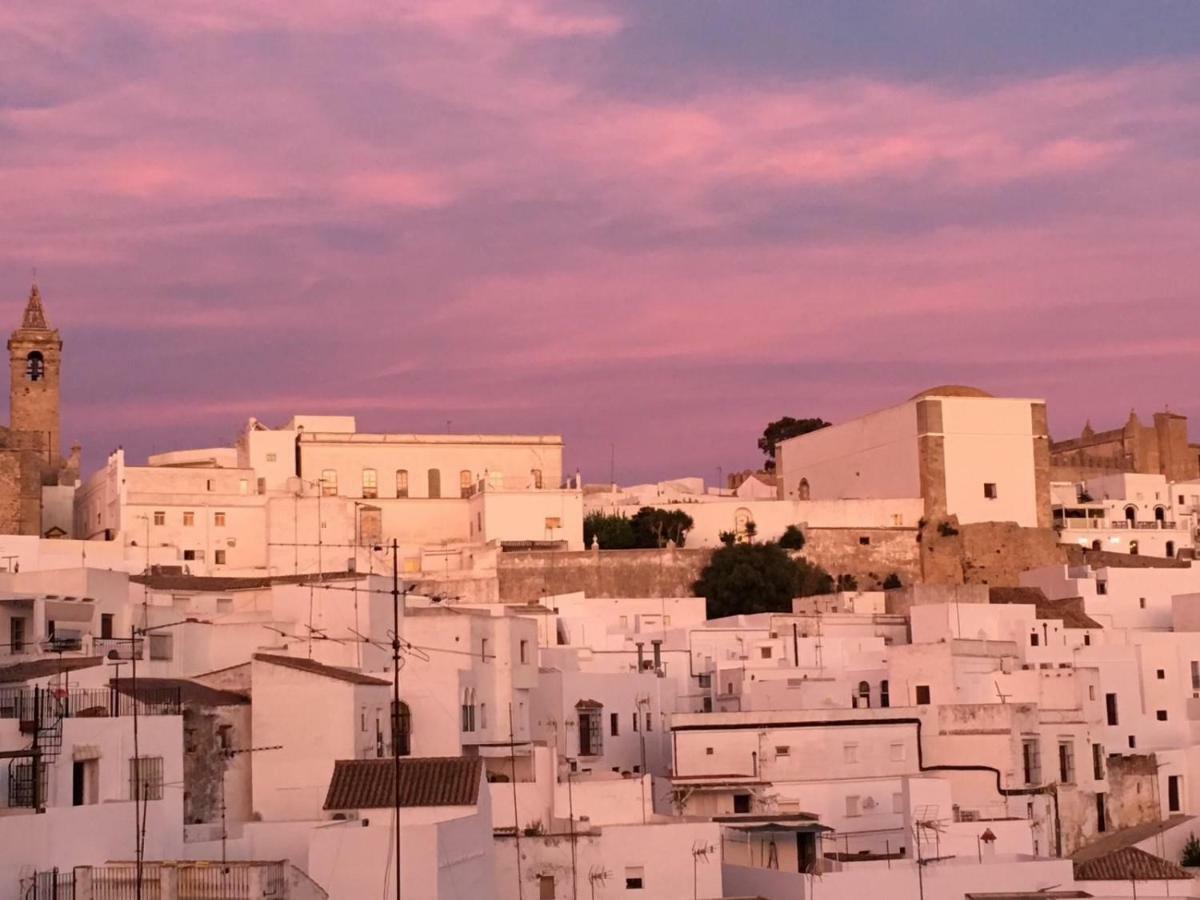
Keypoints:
pixel 989 440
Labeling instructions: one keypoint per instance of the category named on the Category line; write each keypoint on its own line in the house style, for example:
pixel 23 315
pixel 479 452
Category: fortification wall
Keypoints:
pixel 527 576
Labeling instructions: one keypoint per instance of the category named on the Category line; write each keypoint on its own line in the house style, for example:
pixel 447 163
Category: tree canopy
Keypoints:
pixel 610 532
pixel 653 527
pixel 781 430
pixel 752 578
pixel 792 538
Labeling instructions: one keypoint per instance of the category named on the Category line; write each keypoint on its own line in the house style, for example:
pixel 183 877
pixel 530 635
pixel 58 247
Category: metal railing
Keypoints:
pixel 22 703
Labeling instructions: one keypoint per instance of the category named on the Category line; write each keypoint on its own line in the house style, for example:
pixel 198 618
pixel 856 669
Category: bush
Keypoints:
pixel 892 582
pixel 847 582
pixel 611 532
pixel 751 578
pixel 945 529
pixel 792 538
pixel 1191 852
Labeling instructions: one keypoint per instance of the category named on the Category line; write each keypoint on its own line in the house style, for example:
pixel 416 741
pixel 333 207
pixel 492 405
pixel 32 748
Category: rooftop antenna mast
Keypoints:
pixel 598 875
pixel 699 852
pixel 227 755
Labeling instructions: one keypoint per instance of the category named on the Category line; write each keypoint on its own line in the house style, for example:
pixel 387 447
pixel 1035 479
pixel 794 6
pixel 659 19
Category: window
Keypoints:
pixel 545 887
pixel 850 753
pixel 483 655
pixel 189 518
pixel 1031 761
pixel 1066 762
pixel 1161 715
pixel 16 635
pixel 271 457
pixel 1034 638
pixel 922 695
pixel 1101 813
pixel 614 724
pixel 160 517
pixel 1098 761
pixel 1110 708
pixel 464 483
pixel 219 557
pixel 483 715
pixel 329 482
pixel 208 485
pixel 1091 692
pixel 1160 674
pixel 402 482
pixel 189 555
pixel 35 366
pixel 864 540
pixel 260 485
pixel 1173 792
pixel 898 803
pixel 524 652
pixel 537 479
pixel 635 878
pixel 370 484
pixel 648 723
pixel 862 698
pixel 1195 675
pixel 435 483
pixel 1141 602
pixel 553 523
pixel 896 752
pixel 146 778
pixel 468 710
pixel 852 806
pixel 741 803
pixel 1101 587
pixel 244 485
pixel 591 737
pixel 783 751
pixel 764 652
pixel 160 646
pixel 219 519
pixel 708 751
pixel 1132 742
pixel 884 699
pixel 106 625
pixel 989 490
pixel 85 782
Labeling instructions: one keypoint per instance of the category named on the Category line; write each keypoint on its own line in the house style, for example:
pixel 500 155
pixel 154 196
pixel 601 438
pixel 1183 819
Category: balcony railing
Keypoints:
pixel 1165 525
pixel 23 703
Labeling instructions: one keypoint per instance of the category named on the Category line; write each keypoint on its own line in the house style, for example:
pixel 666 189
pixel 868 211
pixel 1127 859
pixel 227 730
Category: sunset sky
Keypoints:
pixel 647 223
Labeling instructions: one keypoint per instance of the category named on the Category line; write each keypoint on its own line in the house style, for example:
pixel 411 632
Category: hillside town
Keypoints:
pixel 927 653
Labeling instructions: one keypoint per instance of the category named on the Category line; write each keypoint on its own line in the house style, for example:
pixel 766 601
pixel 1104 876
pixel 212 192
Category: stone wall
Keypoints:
pixel 527 576
pixel 993 553
pixel 1131 790
pixel 841 551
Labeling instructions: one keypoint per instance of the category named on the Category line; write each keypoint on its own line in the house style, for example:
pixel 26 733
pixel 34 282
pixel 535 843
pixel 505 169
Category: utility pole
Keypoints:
pixel 396 700
pixel 137 769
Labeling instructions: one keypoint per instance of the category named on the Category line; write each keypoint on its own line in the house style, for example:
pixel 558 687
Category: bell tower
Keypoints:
pixel 35 355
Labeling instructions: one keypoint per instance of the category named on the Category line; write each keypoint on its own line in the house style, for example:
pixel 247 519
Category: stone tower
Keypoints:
pixel 35 355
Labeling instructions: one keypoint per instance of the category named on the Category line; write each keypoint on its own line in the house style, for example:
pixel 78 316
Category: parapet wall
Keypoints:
pixel 527 576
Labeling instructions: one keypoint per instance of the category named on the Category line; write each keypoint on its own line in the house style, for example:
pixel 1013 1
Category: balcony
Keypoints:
pixel 29 705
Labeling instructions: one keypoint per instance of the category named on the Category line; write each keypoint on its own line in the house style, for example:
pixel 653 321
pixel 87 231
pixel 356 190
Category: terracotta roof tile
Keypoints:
pixel 316 668
pixel 424 781
pixel 1129 863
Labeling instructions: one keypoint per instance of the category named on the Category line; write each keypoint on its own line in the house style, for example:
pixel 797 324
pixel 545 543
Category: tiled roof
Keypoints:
pixel 1128 837
pixel 191 693
pixel 1068 609
pixel 316 668
pixel 1129 864
pixel 424 781
pixel 43 668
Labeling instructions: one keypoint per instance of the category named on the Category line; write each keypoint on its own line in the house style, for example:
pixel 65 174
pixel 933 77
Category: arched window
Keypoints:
pixel 402 729
pixel 435 483
pixel 864 695
pixel 803 494
pixel 465 487
pixel 741 522
pixel 1160 515
pixel 402 482
pixel 591 735
pixel 1133 548
pixel 1130 513
pixel 35 366
pixel 1096 545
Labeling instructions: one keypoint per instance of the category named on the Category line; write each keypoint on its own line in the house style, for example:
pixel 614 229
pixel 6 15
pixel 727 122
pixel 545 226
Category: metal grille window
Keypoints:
pixel 1031 760
pixel 1066 762
pixel 402 729
pixel 1098 761
pixel 370 484
pixel 329 482
pixel 591 735
pixel 160 517
pixel 402 482
pixel 146 778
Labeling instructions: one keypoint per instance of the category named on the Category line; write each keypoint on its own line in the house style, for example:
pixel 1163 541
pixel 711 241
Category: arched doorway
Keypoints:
pixel 1131 514
pixel 803 492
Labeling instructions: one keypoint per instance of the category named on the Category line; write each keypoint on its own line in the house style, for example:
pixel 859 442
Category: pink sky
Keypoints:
pixel 651 226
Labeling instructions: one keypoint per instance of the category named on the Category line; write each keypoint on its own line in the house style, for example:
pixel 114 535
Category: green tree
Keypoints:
pixel 792 538
pixel 781 430
pixel 847 582
pixel 892 582
pixel 750 578
pixel 653 527
pixel 1191 851
pixel 611 532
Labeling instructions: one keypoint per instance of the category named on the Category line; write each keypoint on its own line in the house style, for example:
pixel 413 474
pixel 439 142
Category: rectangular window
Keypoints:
pixel 243 486
pixel 1101 813
pixel 635 878
pixel 160 517
pixel 989 490
pixel 219 519
pixel 1031 761
pixel 1034 639
pixel 160 646
pixel 783 751
pixel 922 695
pixel 764 652
pixel 741 803
pixel 524 652
pixel 865 541
pixel 545 887
pixel 648 721
pixel 1066 762
pixel 1110 708
pixel 614 724
pixel 106 625
pixel 189 518
pixel 402 482
pixel 553 523
pixel 537 479
pixel 635 726
pixel 370 484
pixel 1173 793
pixel 146 778
pixel 189 555
pixel 271 457
pixel 434 481
pixel 260 485
pixel 852 806
pixel 329 482
pixel 16 635
pixel 885 699
pixel 219 557
pixel 1098 761
pixel 850 753
pixel 1161 715
pixel 465 485
pixel 1101 587
pixel 483 649
pixel 1195 675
